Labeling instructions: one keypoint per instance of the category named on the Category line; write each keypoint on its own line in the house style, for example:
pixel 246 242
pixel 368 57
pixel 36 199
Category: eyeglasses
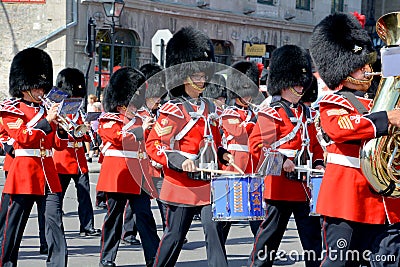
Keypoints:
pixel 198 77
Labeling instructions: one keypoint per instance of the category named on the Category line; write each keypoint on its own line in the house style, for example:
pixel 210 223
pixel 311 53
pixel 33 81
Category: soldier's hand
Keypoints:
pixel 394 117
pixel 229 158
pixel 52 112
pixel 148 122
pixel 189 166
pixel 288 166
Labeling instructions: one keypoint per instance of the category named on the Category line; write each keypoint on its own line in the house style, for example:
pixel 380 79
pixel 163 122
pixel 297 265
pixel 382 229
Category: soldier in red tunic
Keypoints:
pixel 32 175
pixel 286 129
pixel 353 214
pixel 71 163
pixel 125 165
pixel 154 92
pixel 187 127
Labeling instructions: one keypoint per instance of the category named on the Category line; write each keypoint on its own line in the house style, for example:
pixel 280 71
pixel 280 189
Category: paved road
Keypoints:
pixel 84 251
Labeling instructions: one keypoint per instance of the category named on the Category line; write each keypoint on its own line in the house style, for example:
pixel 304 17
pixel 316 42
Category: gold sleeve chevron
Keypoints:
pixel 161 131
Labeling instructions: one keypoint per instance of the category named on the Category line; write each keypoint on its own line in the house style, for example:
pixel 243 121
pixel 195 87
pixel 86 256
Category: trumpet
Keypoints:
pixel 73 129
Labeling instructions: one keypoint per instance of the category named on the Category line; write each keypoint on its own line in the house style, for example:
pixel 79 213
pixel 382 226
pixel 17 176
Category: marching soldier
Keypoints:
pixel 154 92
pixel 32 175
pixel 283 138
pixel 355 218
pixel 185 190
pixel 71 163
pixel 125 165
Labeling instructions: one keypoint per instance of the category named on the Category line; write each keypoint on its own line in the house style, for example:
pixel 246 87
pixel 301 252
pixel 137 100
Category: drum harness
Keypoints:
pixel 303 157
pixel 207 156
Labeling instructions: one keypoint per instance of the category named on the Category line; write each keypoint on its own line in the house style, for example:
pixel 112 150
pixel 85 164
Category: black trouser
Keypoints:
pixel 112 226
pixel 129 223
pixel 163 210
pixel 348 243
pixel 41 207
pixel 85 208
pixel 386 248
pixel 14 214
pixel 272 229
pixel 178 221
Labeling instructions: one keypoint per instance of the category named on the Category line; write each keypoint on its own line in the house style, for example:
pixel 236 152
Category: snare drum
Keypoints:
pixel 237 197
pixel 315 184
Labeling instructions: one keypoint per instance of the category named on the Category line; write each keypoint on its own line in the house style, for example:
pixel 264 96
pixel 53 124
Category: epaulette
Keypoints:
pixel 172 108
pixel 10 101
pixel 270 112
pixel 338 100
pixel 230 112
pixel 11 109
pixel 110 116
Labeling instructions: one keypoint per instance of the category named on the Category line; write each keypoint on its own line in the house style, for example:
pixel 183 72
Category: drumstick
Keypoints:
pixel 216 171
pixel 237 168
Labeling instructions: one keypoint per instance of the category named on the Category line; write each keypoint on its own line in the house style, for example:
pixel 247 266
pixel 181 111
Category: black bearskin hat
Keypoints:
pixel 155 79
pixel 216 87
pixel 30 68
pixel 124 88
pixel 311 94
pixel 188 51
pixel 290 65
pixel 71 81
pixel 240 85
pixel 339 46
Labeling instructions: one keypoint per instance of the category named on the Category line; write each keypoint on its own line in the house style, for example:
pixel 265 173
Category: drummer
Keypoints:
pixel 190 122
pixel 239 119
pixel 285 130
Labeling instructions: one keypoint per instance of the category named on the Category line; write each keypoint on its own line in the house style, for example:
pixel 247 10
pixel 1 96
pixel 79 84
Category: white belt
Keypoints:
pixel 125 154
pixel 188 155
pixel 343 160
pixel 237 147
pixel 75 144
pixel 33 153
pixel 290 153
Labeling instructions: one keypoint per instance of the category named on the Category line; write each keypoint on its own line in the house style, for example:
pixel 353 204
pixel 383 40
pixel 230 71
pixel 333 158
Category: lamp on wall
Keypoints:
pixel 113 9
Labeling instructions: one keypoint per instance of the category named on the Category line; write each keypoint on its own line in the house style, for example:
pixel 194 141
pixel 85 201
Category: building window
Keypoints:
pixel 266 2
pixel 337 5
pixel 303 4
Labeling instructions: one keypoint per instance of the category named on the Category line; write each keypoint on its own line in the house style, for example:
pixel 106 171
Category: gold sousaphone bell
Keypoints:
pixel 380 157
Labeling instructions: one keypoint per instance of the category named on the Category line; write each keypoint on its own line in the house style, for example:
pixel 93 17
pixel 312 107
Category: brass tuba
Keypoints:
pixel 380 157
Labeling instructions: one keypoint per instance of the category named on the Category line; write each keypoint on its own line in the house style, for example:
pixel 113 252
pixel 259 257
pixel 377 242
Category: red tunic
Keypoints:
pixel 72 160
pixel 177 186
pixel 29 174
pixel 237 126
pixel 345 193
pixel 272 125
pixel 125 161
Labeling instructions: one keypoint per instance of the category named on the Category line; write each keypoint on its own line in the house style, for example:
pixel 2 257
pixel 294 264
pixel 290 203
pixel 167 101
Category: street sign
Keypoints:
pixel 159 43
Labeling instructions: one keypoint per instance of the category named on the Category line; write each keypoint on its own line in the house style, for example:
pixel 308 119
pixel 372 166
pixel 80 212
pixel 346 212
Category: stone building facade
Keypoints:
pixel 238 28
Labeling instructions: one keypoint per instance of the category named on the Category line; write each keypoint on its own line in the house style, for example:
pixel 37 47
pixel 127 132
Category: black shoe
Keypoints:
pixel 90 160
pixel 44 249
pixel 90 232
pixel 105 263
pixel 196 217
pixel 185 240
pixel 131 240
